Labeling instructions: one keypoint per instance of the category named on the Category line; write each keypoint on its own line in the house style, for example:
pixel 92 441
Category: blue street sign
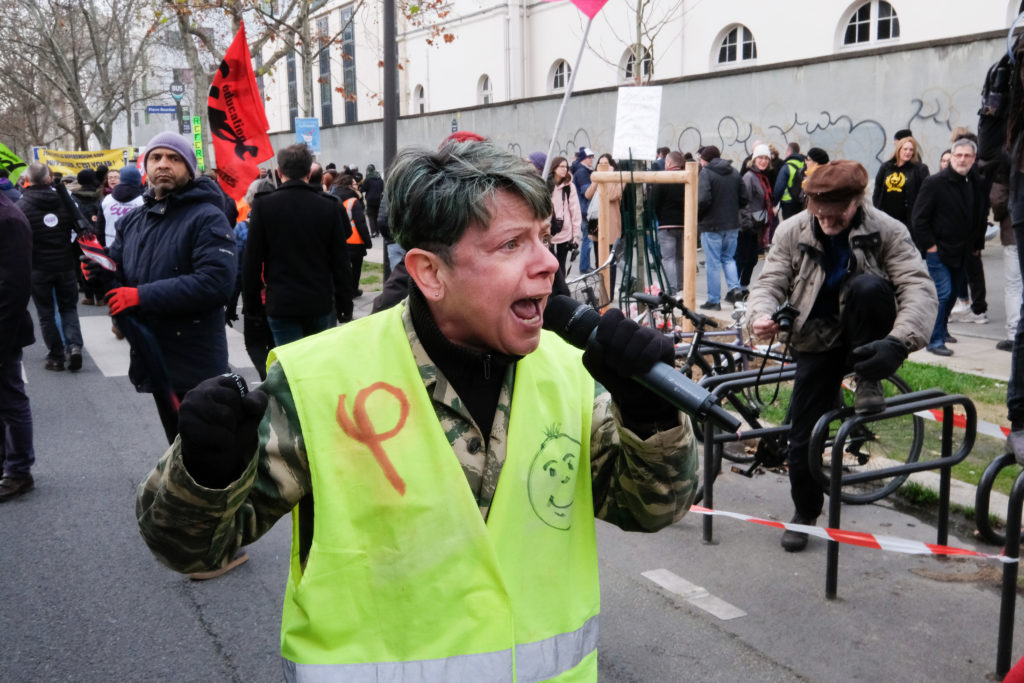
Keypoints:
pixel 161 109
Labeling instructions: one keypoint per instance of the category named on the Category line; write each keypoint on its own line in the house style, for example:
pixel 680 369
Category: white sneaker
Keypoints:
pixel 962 306
pixel 976 318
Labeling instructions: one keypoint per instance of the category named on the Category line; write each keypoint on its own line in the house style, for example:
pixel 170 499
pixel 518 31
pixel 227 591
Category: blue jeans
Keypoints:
pixel 719 255
pixel 395 254
pixel 947 284
pixel 16 452
pixel 292 328
pixel 670 241
pixel 585 249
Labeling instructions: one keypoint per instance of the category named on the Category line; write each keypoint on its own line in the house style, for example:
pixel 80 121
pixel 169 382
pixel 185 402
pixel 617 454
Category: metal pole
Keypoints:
pixel 390 85
pixel 709 475
pixel 565 98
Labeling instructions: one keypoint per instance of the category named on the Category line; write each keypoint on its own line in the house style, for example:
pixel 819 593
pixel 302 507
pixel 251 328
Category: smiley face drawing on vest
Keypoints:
pixel 551 483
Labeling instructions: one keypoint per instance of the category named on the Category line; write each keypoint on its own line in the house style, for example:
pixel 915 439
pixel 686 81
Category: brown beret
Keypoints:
pixel 835 183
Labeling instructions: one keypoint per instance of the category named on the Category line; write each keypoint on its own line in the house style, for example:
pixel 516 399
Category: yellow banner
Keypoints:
pixel 70 163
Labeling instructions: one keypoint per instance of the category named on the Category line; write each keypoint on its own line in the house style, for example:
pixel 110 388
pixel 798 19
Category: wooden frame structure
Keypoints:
pixel 688 176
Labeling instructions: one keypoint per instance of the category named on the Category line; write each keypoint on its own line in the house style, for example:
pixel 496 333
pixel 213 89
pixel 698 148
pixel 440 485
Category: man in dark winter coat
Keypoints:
pixel 89 198
pixel 176 271
pixel 372 188
pixel 667 200
pixel 54 266
pixel 949 220
pixel 296 248
pixel 788 182
pixel 720 194
pixel 16 452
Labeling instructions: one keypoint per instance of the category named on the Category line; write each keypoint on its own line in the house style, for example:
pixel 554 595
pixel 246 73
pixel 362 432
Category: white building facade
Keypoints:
pixel 510 60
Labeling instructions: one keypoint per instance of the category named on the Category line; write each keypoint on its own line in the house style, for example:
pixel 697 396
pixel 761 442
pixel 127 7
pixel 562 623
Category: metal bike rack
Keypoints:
pixel 721 386
pixel 1008 601
pixel 903 404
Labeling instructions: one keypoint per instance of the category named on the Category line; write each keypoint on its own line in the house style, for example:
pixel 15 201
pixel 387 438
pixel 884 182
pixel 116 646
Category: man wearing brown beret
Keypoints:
pixel 865 301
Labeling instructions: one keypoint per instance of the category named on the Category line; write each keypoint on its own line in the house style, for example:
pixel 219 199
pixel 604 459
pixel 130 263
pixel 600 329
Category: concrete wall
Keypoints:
pixel 850 105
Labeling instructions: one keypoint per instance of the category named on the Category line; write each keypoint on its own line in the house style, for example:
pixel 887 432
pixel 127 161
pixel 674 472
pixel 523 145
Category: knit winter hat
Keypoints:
pixel 761 150
pixel 831 187
pixel 538 159
pixel 817 155
pixel 710 153
pixel 87 179
pixel 173 141
pixel 131 176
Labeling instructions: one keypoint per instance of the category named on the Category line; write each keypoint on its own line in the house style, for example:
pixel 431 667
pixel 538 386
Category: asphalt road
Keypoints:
pixel 81 598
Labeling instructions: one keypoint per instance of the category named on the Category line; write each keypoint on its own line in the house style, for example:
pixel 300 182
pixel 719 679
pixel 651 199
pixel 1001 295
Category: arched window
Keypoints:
pixel 483 89
pixel 874 20
pixel 560 73
pixel 418 100
pixel 631 69
pixel 737 45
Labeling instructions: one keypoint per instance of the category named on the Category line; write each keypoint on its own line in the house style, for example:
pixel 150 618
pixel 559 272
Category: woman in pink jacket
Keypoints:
pixel 566 219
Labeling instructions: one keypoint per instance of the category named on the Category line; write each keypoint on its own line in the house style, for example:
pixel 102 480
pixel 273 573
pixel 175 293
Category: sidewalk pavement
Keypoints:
pixel 974 352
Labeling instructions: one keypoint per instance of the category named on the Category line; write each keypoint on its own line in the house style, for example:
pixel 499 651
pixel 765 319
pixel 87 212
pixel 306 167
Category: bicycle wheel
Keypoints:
pixel 877 445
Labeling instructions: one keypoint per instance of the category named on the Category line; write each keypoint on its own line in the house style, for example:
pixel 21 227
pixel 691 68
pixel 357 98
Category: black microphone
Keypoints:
pixel 576 323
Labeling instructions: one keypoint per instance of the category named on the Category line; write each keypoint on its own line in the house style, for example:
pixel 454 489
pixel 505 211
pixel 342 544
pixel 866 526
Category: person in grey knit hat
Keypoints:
pixel 173 141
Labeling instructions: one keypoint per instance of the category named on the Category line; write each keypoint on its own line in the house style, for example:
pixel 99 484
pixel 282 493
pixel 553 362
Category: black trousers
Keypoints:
pixel 747 246
pixel 976 281
pixel 869 314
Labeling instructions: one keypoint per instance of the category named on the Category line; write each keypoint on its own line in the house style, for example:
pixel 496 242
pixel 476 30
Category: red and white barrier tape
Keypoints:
pixel 960 420
pixel 859 538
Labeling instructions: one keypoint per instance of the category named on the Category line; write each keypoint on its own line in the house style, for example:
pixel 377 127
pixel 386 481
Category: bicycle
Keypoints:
pixel 868 447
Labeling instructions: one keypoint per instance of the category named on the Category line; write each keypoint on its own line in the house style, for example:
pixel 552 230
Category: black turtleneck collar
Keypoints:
pixel 475 375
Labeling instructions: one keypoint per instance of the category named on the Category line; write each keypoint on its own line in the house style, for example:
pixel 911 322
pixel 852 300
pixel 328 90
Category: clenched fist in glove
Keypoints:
pixel 879 359
pixel 218 429
pixel 621 349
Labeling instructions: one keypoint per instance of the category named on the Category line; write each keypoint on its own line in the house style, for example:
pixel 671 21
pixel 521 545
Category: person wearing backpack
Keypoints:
pixel 789 183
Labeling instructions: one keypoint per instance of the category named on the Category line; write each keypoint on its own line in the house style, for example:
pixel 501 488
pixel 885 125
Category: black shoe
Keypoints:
pixel 1005 345
pixel 795 541
pixel 74 357
pixel 54 364
pixel 711 306
pixel 950 339
pixel 359 293
pixel 941 350
pixel 734 295
pixel 12 487
pixel 868 398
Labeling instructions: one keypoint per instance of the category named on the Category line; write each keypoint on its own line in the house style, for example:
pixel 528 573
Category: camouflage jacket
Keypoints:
pixel 638 485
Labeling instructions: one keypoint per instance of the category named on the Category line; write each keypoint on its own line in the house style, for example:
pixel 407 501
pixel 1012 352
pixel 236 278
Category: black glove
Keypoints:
pixel 621 349
pixel 218 429
pixel 97 276
pixel 879 359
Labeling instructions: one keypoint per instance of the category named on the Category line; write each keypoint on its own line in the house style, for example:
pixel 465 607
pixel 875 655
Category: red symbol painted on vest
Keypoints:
pixel 360 428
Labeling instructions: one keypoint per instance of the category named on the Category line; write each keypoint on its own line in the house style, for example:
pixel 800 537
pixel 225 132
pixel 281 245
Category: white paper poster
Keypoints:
pixel 637 121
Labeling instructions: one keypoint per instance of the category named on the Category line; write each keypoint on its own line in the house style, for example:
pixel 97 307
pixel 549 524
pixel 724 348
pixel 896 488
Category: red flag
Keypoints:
pixel 238 122
pixel 588 7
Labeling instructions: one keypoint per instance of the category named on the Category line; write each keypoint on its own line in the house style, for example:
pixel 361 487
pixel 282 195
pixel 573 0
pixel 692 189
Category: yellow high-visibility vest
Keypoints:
pixel 404 580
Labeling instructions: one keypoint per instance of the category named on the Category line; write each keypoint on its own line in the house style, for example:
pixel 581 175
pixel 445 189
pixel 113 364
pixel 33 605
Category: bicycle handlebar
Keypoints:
pixel 668 302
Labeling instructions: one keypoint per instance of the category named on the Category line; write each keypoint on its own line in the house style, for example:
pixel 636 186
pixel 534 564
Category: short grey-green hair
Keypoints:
pixel 433 196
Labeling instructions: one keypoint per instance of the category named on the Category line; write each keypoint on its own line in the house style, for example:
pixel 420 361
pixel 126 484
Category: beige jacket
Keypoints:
pixel 880 245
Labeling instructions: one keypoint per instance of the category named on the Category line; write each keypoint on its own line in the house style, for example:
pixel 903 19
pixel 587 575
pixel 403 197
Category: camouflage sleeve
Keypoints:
pixel 192 528
pixel 640 485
